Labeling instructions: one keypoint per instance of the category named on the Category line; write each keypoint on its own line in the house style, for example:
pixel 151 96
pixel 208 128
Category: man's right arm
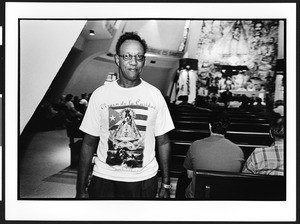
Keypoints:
pixel 89 146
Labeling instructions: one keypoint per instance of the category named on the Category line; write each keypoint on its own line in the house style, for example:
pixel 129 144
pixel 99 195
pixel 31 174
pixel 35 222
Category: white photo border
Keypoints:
pixel 144 210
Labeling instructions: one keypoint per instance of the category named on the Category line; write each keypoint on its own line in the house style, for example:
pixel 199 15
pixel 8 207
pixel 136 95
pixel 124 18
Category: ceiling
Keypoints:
pixel 98 26
pixel 159 34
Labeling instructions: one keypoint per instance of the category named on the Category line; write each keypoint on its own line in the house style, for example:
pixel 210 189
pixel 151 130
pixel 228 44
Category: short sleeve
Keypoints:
pixel 251 163
pixel 187 161
pixel 91 120
pixel 164 122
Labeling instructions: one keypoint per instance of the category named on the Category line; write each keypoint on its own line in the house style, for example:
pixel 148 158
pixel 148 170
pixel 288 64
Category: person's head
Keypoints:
pixel 69 97
pixel 219 122
pixel 199 101
pixel 130 56
pixel 258 25
pixel 62 98
pixel 84 96
pixel 183 98
pixel 258 100
pixel 278 103
pixel 277 128
pixel 214 99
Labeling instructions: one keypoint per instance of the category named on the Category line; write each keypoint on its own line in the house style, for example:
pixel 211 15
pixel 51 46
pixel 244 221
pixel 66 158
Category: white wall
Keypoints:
pixel 44 45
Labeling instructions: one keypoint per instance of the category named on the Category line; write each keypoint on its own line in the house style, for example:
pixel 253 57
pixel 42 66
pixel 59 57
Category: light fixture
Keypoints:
pixel 92 33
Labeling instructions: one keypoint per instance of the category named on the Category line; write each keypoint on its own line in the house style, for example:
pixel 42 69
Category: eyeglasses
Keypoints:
pixel 128 57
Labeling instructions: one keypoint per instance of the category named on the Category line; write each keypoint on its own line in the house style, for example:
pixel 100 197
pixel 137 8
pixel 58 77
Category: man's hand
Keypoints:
pixel 164 193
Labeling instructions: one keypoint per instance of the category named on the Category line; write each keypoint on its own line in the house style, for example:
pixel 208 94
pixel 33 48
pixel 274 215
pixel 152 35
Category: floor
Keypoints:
pixel 45 154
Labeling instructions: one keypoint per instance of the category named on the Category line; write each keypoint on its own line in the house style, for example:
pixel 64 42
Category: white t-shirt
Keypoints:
pixel 84 102
pixel 127 121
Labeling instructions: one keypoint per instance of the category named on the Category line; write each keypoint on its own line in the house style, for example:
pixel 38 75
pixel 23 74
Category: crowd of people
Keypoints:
pixel 68 108
pixel 225 100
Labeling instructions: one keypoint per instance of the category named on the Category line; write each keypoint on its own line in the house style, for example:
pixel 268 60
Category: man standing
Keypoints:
pixel 122 122
pixel 214 152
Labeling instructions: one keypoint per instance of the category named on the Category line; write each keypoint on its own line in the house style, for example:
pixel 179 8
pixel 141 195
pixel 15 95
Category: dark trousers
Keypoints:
pixel 101 188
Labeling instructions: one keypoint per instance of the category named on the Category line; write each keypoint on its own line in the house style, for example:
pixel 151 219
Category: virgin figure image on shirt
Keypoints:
pixel 127 126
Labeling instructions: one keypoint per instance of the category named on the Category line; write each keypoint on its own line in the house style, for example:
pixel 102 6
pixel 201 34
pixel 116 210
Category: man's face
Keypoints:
pixel 131 69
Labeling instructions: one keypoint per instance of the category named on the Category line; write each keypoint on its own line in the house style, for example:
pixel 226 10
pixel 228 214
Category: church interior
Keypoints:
pixel 196 61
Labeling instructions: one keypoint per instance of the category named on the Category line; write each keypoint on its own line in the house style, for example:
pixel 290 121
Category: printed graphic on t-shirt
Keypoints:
pixel 127 126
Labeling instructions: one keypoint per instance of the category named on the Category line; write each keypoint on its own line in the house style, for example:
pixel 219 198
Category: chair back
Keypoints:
pixel 220 185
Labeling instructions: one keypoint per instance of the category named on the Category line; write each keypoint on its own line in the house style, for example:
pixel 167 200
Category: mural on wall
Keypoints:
pixel 249 44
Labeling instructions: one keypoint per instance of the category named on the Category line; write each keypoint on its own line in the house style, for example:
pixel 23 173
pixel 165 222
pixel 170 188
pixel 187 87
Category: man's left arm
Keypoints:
pixel 164 151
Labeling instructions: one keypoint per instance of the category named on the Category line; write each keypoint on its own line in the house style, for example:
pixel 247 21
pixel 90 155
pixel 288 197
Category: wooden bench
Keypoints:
pixel 181 148
pixel 234 126
pixel 220 185
pixel 207 113
pixel 252 138
pixel 75 141
pixel 188 117
pixel 181 124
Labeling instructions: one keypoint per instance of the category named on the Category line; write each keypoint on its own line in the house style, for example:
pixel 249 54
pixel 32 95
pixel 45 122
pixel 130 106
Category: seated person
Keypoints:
pixel 184 103
pixel 71 113
pixel 226 97
pixel 51 116
pixel 213 105
pixel 234 104
pixel 258 106
pixel 214 152
pixel 244 102
pixel 269 160
pixel 83 103
pixel 279 107
pixel 76 102
pixel 201 104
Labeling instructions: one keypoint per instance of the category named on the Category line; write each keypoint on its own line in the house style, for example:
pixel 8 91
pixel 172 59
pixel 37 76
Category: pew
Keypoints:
pixel 181 124
pixel 252 138
pixel 191 110
pixel 234 126
pixel 249 127
pixel 181 148
pixel 221 185
pixel 189 117
pixel 247 130
pixel 75 141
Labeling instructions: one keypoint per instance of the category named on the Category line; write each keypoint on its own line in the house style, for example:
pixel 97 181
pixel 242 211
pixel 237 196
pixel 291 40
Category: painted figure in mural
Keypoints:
pixel 126 120
pixel 233 44
pixel 258 26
